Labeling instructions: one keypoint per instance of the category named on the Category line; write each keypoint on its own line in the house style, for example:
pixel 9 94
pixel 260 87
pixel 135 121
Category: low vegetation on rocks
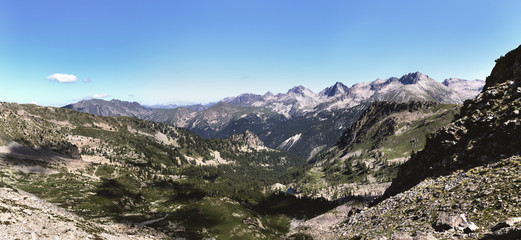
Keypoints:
pixel 446 207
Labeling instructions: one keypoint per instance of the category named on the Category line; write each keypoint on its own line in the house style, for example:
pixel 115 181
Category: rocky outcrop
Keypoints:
pixel 507 67
pixel 248 139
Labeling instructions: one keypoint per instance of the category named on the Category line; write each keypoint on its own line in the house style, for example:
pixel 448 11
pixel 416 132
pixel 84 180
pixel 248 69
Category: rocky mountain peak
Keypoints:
pixel 413 78
pixel 126 103
pixel 268 94
pixel 337 89
pixel 449 81
pixel 244 99
pixel 300 90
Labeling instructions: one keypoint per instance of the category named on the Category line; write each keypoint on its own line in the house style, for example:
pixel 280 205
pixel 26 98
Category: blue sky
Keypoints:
pixel 159 52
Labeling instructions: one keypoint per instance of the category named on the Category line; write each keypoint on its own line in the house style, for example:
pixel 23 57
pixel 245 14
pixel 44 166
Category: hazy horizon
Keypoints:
pixel 163 52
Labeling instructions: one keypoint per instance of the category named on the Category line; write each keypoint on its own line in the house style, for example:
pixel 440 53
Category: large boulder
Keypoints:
pixel 450 221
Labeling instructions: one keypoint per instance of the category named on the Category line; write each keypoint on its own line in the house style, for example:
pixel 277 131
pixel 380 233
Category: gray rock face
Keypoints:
pixel 248 139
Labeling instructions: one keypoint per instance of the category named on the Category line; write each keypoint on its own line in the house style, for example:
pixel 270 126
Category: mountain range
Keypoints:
pixel 299 121
pixel 300 100
pixel 403 168
pixel 413 86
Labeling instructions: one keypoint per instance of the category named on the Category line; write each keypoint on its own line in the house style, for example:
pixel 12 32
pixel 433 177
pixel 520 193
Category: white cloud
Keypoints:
pixel 62 78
